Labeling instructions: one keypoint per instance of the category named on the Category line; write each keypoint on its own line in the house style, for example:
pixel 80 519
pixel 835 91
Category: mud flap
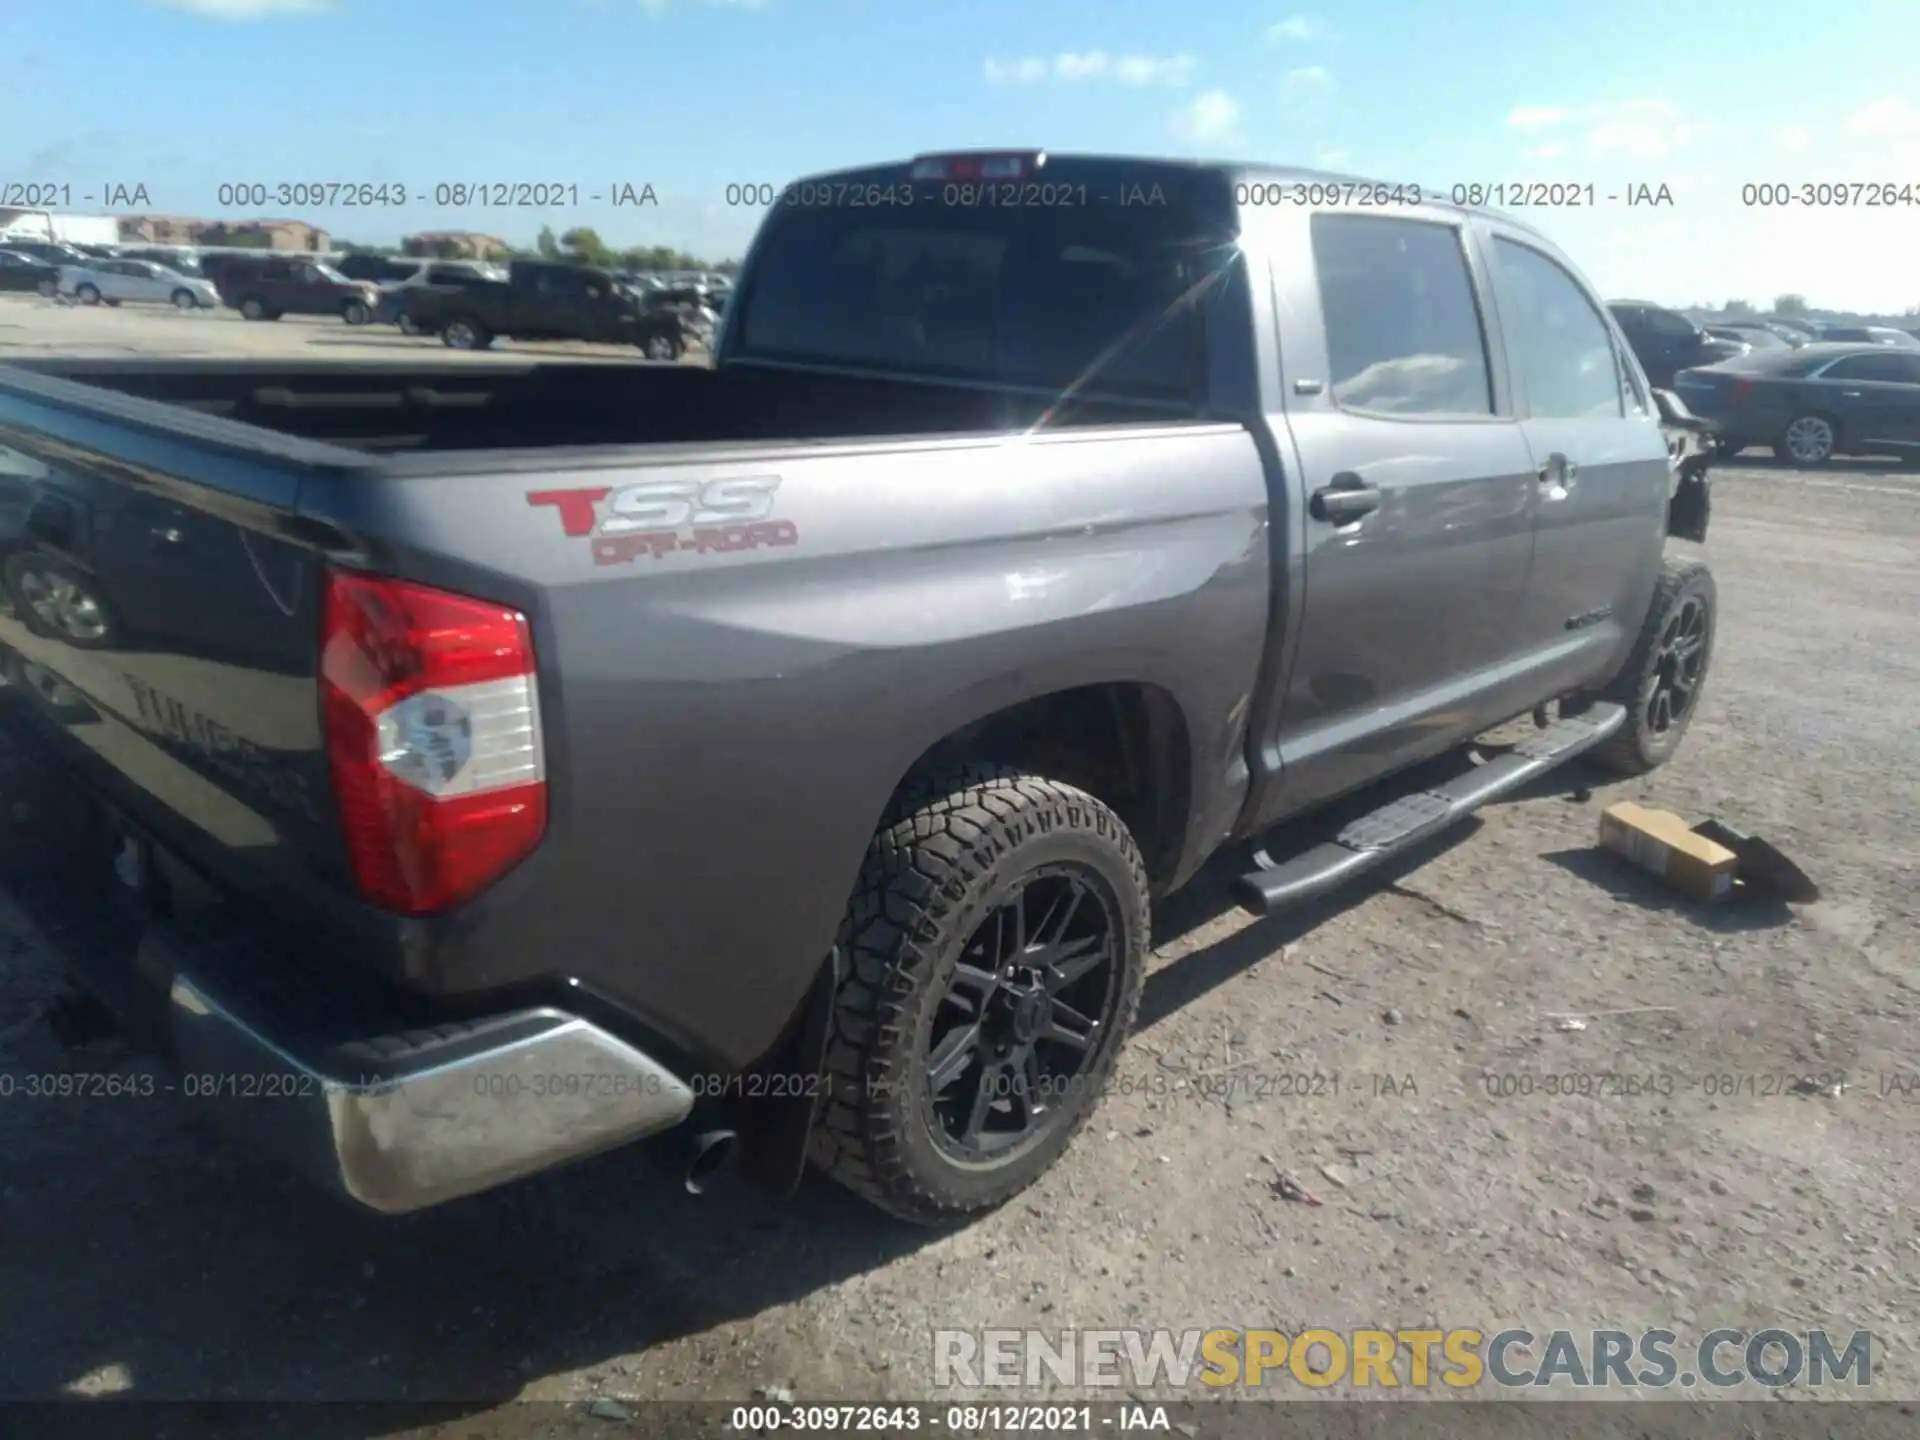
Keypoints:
pixel 1691 504
pixel 777 1122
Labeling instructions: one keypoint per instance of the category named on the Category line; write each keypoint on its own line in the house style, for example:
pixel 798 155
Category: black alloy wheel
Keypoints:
pixel 1023 1014
pixel 1679 663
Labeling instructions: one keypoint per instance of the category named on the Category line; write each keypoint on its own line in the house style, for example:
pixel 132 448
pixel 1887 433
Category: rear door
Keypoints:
pixel 1420 497
pixel 1601 472
pixel 1876 397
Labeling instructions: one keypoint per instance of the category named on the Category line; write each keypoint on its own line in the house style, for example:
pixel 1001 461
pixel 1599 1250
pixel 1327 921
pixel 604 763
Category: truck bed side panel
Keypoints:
pixel 726 726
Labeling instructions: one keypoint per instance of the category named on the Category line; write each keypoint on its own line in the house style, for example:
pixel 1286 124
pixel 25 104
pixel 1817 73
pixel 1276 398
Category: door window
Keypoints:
pixel 1403 325
pixel 1560 346
pixel 1669 326
pixel 1889 369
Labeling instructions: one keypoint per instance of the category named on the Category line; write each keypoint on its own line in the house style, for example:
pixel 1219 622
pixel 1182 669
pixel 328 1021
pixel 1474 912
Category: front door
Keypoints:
pixel 1419 495
pixel 1875 398
pixel 1602 474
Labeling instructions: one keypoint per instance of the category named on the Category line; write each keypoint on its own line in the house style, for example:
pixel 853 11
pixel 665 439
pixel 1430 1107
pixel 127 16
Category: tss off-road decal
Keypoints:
pixel 666 517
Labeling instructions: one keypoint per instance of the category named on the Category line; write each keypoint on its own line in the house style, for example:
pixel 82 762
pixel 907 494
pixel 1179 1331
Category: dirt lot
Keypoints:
pixel 146 1258
pixel 30 325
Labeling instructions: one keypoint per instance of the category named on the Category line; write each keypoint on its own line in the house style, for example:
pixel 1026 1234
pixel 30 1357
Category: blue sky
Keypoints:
pixel 692 95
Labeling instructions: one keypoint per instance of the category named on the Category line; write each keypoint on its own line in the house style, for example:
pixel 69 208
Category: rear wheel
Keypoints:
pixel 409 326
pixel 1661 682
pixel 1808 441
pixel 87 294
pixel 253 308
pixel 996 946
pixel 660 347
pixel 48 287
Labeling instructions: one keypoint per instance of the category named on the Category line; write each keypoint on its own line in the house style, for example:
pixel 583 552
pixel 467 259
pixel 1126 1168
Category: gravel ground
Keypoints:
pixel 149 1259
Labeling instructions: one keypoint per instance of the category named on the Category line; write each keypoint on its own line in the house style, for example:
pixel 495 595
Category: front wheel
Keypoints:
pixel 253 308
pixel 1661 682
pixel 660 347
pixel 48 288
pixel 88 294
pixel 183 300
pixel 407 325
pixel 996 946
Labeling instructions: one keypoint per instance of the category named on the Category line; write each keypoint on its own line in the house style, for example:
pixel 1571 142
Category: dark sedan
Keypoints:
pixel 24 273
pixel 1813 403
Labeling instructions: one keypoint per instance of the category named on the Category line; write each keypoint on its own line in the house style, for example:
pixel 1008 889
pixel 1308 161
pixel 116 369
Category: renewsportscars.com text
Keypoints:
pixel 1458 1359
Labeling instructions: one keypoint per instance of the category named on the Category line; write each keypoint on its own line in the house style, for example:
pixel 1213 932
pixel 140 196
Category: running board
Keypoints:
pixel 1403 823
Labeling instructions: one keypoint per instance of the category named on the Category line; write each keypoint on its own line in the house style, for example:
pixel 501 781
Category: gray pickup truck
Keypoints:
pixel 457 769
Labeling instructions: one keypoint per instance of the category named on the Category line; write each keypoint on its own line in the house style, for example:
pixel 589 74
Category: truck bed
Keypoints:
pixel 402 408
pixel 928 555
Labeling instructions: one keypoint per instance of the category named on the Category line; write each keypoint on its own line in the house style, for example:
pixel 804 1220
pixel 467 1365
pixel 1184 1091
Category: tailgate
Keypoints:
pixel 158 623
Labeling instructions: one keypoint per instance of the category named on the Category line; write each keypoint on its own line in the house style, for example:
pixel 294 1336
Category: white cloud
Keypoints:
pixel 1894 118
pixel 1792 139
pixel 1211 116
pixel 1016 72
pixel 1306 95
pixel 1308 80
pixel 1072 65
pixel 1643 131
pixel 1536 117
pixel 249 9
pixel 1299 29
pixel 1552 150
pixel 1154 69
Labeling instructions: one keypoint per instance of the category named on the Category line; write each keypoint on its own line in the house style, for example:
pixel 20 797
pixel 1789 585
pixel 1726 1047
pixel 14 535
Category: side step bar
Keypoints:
pixel 1400 824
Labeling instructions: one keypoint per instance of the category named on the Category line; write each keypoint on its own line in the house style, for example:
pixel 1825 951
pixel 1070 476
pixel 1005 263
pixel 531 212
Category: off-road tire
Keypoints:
pixel 1636 748
pixel 940 860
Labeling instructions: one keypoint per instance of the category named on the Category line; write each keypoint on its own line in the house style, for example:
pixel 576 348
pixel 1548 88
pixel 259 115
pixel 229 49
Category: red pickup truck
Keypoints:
pixel 267 288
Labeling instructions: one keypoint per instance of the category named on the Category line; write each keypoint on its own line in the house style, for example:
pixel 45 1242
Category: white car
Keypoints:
pixel 139 281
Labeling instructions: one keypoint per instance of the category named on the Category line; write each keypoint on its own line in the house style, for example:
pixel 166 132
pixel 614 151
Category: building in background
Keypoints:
pixel 19 224
pixel 456 245
pixel 250 234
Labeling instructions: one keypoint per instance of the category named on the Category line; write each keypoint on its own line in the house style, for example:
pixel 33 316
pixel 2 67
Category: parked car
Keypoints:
pixel 1753 337
pixel 1790 327
pixel 137 281
pixel 1868 335
pixel 177 258
pixel 266 289
pixel 540 301
pixel 50 252
pixel 25 273
pixel 1666 342
pixel 380 269
pixel 391 309
pixel 542 655
pixel 1814 403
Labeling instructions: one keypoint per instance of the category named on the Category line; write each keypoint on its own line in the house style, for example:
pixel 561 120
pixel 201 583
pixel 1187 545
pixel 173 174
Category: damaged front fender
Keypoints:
pixel 1690 450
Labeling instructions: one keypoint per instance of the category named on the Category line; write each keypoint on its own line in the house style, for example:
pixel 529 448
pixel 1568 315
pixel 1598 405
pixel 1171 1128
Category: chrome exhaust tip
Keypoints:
pixel 712 1153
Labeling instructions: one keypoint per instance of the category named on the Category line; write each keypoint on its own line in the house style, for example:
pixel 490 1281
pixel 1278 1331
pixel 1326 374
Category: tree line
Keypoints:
pixel 582 245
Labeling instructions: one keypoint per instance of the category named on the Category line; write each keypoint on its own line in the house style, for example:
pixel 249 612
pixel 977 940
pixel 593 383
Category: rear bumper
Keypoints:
pixel 449 1116
pixel 393 1117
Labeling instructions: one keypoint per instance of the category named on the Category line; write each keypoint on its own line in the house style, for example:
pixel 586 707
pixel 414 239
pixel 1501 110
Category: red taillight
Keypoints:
pixel 1011 165
pixel 432 717
pixel 1741 390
